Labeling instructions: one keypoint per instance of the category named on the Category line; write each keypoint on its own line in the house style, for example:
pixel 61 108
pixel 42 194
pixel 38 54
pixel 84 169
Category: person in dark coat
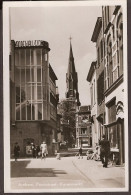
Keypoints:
pixel 37 150
pixel 80 153
pixel 33 150
pixel 104 151
pixel 16 151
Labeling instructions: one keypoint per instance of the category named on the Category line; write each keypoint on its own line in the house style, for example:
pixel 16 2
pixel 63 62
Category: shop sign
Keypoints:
pixel 34 43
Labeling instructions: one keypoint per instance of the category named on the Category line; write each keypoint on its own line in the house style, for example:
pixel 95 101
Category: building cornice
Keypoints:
pixel 91 71
pixel 116 10
pixel 114 85
pixel 97 29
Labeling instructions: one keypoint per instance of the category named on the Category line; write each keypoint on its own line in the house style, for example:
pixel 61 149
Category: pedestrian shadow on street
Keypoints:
pixel 20 169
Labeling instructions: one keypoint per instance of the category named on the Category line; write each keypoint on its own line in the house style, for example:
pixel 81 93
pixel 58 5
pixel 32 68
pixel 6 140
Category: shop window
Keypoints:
pixel 113 136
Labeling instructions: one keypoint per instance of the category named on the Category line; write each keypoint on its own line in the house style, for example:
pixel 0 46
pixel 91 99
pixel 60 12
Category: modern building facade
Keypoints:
pixel 33 97
pixel 83 127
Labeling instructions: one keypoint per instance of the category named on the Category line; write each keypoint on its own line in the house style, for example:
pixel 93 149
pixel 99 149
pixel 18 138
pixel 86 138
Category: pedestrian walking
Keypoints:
pixel 104 151
pixel 43 148
pixel 33 150
pixel 80 153
pixel 16 151
pixel 37 150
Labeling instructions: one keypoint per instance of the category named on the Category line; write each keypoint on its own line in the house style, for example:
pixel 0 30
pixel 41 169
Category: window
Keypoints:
pixel 100 88
pixel 27 56
pixel 91 95
pixel 98 55
pixel 111 111
pixel 83 131
pixel 120 44
pixel 113 31
pixel 38 56
pixel 16 57
pixel 94 93
pixel 109 76
pixel 101 49
pixel 113 136
pixel 28 80
pixel 22 57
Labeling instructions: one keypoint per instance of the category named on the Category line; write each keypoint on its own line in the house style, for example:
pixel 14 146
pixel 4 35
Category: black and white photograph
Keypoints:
pixel 65 96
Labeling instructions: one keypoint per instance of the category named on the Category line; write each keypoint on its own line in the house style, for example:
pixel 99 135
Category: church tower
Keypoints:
pixel 72 79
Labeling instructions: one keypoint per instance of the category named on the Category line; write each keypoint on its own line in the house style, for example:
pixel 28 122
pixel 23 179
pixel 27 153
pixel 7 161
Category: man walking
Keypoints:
pixel 16 151
pixel 104 151
pixel 80 153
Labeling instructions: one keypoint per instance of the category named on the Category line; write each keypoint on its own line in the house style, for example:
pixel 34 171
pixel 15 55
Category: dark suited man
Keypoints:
pixel 104 151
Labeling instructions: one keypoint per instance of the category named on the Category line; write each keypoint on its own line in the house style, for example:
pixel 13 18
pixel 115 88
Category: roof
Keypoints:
pixel 97 29
pixel 91 70
pixel 52 74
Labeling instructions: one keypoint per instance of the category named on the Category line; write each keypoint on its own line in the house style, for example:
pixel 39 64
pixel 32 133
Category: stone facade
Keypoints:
pixel 108 36
pixel 83 127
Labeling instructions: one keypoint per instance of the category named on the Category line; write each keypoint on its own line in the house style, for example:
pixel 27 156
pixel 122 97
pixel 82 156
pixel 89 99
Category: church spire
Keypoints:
pixel 71 64
pixel 71 78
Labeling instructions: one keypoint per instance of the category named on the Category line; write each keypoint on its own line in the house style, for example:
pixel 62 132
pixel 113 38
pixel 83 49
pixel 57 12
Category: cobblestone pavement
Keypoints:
pixel 67 173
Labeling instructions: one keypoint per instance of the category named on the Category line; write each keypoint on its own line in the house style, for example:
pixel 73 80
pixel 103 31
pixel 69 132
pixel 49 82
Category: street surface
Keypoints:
pixel 67 173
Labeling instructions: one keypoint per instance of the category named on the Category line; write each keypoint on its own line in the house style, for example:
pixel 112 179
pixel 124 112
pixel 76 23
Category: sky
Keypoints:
pixel 55 25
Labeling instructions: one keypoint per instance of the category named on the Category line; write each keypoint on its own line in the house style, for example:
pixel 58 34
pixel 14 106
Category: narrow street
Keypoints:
pixel 67 173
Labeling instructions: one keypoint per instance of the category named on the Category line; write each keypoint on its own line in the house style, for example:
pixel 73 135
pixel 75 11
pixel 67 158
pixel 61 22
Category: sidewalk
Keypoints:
pixel 101 177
